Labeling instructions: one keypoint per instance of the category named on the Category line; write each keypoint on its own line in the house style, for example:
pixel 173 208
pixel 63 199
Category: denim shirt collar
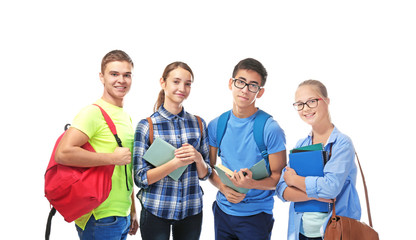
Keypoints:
pixel 334 134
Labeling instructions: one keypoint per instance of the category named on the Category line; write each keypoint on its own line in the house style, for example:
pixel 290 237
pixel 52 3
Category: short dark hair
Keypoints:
pixel 254 65
pixel 115 55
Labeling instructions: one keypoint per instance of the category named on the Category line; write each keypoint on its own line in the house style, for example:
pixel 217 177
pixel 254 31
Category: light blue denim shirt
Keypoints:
pixel 340 174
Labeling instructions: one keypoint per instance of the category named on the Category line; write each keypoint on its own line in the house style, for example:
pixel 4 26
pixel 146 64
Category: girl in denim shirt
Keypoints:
pixel 340 171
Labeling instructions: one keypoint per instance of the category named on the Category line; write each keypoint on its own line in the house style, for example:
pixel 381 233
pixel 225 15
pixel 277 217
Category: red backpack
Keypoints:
pixel 76 191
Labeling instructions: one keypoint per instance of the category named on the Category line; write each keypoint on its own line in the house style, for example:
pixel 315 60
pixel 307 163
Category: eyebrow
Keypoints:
pixel 119 72
pixel 243 78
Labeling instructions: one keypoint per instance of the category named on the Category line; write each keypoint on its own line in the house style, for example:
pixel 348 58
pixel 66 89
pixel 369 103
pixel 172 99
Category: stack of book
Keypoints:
pixel 309 161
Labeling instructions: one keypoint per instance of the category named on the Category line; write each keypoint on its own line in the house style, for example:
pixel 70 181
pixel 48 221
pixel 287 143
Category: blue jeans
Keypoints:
pixel 156 228
pixel 255 227
pixel 109 228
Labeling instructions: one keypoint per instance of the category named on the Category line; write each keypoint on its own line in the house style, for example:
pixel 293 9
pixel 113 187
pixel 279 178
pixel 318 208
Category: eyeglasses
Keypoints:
pixel 312 103
pixel 238 83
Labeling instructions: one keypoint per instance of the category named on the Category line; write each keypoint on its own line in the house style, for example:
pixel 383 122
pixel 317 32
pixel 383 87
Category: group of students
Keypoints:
pixel 170 207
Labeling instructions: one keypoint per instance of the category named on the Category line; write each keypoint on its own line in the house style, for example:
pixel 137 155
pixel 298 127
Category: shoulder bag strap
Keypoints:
pixel 366 193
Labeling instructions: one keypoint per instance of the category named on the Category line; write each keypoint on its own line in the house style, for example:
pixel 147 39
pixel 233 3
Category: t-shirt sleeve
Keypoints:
pixel 212 132
pixel 87 120
pixel 274 137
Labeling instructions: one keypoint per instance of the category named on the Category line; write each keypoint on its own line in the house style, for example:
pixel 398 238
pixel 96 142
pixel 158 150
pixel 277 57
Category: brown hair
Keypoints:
pixel 319 87
pixel 168 69
pixel 115 55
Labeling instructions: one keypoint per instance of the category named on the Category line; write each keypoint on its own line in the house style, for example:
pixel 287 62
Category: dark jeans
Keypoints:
pixel 156 228
pixel 301 237
pixel 255 227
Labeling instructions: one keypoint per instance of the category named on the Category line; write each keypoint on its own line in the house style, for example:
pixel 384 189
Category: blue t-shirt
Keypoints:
pixel 239 150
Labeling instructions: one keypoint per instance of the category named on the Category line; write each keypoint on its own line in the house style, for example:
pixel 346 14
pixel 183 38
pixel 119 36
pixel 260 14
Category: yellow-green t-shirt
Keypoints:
pixel 91 122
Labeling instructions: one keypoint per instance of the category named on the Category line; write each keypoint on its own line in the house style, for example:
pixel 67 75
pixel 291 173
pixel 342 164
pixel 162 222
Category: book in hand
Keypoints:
pixel 161 152
pixel 309 163
pixel 259 171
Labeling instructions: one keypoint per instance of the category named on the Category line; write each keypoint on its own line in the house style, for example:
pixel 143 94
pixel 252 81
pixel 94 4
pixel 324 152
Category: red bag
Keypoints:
pixel 75 191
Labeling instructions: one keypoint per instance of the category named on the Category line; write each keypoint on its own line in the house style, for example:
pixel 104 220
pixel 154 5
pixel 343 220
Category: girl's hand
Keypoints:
pixel 188 153
pixel 289 176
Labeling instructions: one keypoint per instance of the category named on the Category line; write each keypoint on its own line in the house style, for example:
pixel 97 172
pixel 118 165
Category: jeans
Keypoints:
pixel 301 237
pixel 109 228
pixel 255 227
pixel 156 228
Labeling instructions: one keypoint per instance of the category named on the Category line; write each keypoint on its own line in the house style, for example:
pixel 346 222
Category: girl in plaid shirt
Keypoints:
pixel 166 202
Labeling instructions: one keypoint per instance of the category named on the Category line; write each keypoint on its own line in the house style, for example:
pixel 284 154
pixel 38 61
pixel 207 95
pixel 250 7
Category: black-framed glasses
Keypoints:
pixel 312 103
pixel 238 83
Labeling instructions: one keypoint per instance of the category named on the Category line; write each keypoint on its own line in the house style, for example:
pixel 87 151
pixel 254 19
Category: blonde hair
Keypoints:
pixel 317 85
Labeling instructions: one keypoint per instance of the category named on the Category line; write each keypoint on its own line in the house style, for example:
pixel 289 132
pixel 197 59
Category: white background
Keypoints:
pixel 364 51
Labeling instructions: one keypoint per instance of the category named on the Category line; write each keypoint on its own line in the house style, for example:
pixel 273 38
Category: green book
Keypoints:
pixel 314 147
pixel 259 171
pixel 161 152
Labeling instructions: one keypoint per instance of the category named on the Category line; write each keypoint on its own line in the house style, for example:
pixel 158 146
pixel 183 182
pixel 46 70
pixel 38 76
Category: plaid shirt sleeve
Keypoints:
pixel 204 150
pixel 140 166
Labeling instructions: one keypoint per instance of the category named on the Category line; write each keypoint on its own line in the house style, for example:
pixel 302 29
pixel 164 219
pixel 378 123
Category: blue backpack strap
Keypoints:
pixel 221 127
pixel 258 132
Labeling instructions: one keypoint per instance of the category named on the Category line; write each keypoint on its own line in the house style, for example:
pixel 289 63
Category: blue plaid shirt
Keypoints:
pixel 168 198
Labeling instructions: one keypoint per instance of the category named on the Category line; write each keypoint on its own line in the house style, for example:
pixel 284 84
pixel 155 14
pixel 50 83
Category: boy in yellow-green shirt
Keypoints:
pixel 116 216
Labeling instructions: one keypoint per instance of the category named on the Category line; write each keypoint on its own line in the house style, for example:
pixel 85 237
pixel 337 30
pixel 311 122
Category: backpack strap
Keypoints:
pixel 258 132
pixel 113 130
pixel 221 127
pixel 199 124
pixel 149 120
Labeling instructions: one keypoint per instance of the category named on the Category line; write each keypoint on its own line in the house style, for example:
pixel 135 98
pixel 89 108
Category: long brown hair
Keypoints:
pixel 161 98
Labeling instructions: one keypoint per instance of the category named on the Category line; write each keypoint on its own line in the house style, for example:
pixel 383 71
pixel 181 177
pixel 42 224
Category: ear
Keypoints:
pixel 162 83
pixel 260 93
pixel 230 84
pixel 101 78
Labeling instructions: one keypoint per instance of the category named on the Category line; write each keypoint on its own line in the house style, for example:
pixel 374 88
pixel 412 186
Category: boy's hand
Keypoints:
pixel 243 178
pixel 121 156
pixel 231 195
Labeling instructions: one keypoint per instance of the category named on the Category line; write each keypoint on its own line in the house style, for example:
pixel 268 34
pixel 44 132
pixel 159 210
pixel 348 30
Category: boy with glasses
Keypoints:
pixel 250 215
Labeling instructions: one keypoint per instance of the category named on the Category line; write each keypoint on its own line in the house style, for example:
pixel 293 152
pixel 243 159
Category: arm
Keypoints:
pixel 70 152
pixel 231 195
pixel 134 226
pixel 157 173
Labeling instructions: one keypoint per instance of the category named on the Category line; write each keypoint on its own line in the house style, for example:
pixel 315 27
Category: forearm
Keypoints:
pixel 295 195
pixel 79 157
pixel 202 169
pixel 268 183
pixel 157 173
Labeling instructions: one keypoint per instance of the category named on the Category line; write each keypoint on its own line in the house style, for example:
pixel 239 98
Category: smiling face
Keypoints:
pixel 312 116
pixel 117 81
pixel 177 86
pixel 243 98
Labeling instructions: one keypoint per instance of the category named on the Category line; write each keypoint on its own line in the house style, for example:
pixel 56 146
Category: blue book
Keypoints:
pixel 309 163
